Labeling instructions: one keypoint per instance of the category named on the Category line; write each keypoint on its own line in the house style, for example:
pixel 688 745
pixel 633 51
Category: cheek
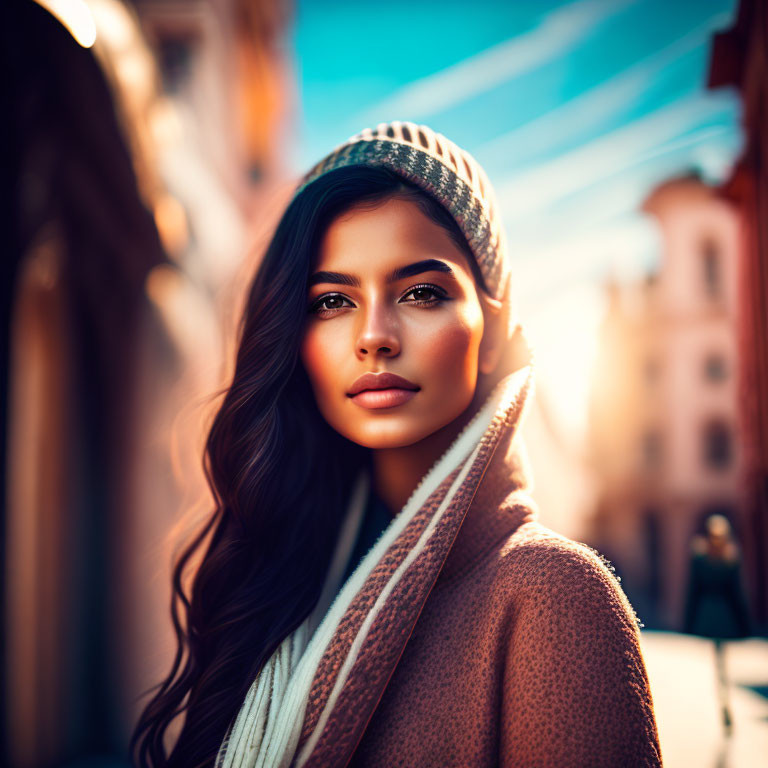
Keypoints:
pixel 317 356
pixel 449 353
pixel 325 354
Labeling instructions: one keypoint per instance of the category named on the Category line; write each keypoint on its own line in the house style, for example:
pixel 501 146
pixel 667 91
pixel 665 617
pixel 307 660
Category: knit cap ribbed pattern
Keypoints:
pixel 444 170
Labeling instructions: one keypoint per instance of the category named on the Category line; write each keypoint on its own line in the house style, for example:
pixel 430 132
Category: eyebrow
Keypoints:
pixel 426 265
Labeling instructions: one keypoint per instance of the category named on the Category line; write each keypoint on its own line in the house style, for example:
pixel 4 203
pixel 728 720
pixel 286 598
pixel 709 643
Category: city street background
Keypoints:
pixel 152 147
pixel 683 684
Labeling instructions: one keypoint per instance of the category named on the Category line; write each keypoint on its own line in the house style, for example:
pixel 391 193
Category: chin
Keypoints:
pixel 391 433
pixel 380 442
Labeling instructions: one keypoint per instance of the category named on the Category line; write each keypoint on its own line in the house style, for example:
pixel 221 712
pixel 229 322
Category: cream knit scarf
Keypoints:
pixel 266 731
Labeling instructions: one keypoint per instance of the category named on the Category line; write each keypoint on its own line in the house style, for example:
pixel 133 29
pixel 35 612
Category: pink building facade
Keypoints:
pixel 666 437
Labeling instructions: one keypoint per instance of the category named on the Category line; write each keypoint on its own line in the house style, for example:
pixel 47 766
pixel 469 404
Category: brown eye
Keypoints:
pixel 424 294
pixel 329 303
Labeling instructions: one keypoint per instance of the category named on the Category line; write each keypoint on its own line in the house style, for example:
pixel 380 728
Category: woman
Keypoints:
pixel 377 589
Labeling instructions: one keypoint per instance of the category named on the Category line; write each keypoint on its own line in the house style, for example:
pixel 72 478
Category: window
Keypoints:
pixel 718 448
pixel 715 368
pixel 651 371
pixel 711 261
pixel 176 51
pixel 652 449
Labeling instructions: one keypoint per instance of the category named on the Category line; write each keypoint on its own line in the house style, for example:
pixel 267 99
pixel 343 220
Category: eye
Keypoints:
pixel 425 295
pixel 329 303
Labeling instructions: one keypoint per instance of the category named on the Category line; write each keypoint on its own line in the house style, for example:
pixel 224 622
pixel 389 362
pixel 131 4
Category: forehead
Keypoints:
pixel 372 240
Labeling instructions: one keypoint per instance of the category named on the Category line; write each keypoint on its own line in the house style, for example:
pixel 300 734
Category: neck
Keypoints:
pixel 397 471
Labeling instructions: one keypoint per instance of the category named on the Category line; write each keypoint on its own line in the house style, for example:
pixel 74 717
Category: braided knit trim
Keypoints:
pixel 442 169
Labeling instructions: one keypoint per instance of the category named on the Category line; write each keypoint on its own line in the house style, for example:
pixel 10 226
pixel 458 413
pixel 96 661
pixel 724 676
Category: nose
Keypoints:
pixel 378 334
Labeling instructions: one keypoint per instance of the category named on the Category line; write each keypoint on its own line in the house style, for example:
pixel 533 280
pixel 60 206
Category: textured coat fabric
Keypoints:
pixel 469 635
pixel 526 652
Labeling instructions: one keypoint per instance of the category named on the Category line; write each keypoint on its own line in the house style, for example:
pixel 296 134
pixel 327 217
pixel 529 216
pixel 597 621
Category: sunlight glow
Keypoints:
pixel 564 335
pixel 76 16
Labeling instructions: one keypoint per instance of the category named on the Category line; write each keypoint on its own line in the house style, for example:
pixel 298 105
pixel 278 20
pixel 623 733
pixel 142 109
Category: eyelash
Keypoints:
pixel 440 296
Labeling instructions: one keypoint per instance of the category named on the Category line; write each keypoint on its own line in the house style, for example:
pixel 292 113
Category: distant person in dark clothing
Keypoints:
pixel 716 606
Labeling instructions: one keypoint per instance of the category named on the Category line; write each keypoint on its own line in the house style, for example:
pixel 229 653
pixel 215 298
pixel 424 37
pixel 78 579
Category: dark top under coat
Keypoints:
pixel 376 519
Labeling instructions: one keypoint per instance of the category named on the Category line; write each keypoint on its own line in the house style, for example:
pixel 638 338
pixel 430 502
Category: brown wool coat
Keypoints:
pixel 526 654
pixel 519 649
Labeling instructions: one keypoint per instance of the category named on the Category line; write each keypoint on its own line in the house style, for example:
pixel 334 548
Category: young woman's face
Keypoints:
pixel 391 294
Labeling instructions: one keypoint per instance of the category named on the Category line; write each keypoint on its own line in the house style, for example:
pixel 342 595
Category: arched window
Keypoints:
pixel 711 264
pixel 652 449
pixel 718 448
pixel 715 368
pixel 652 371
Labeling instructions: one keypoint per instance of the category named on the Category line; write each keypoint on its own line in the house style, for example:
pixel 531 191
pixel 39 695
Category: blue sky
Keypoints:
pixel 575 110
pixel 355 63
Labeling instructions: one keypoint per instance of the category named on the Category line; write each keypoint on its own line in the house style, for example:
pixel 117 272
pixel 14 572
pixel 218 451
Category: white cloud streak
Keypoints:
pixel 535 190
pixel 599 103
pixel 559 32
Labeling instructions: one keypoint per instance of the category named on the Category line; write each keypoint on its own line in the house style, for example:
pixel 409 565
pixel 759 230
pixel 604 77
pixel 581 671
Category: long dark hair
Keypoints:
pixel 280 478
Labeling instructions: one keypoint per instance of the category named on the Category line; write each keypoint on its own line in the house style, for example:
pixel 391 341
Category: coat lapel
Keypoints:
pixel 366 646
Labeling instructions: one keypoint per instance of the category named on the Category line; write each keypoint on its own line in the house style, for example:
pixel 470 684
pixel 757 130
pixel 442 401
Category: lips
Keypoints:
pixel 382 390
pixel 374 381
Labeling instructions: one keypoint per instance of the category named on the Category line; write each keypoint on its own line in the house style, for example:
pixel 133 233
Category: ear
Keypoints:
pixel 496 316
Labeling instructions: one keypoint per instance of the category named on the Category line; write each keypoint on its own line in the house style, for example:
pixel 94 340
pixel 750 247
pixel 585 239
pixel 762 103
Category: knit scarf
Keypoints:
pixel 313 698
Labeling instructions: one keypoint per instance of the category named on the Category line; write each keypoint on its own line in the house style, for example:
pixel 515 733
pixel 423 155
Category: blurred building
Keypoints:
pixel 740 60
pixel 666 436
pixel 144 164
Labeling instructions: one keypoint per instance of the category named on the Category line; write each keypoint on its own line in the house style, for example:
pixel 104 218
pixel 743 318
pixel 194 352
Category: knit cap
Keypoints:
pixel 442 169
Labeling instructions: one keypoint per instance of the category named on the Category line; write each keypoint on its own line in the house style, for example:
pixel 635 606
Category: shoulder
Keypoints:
pixel 572 657
pixel 545 556
pixel 547 573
